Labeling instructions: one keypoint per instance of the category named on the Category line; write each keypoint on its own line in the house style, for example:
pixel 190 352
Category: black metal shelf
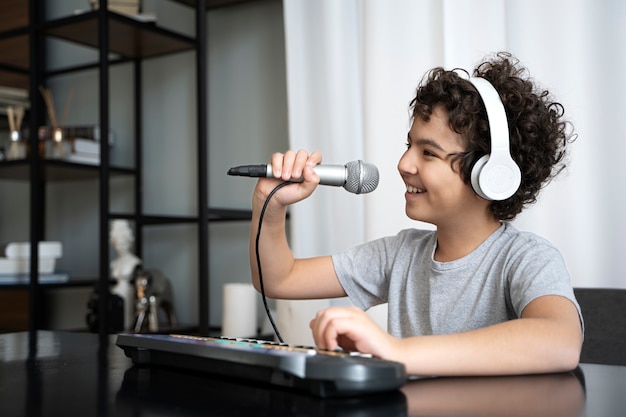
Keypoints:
pixel 56 170
pixel 213 214
pixel 214 4
pixel 117 39
pixel 228 215
pixel 14 59
pixel 73 282
pixel 128 37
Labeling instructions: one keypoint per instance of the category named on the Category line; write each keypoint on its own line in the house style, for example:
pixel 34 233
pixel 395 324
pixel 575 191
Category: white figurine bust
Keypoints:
pixel 122 239
pixel 123 267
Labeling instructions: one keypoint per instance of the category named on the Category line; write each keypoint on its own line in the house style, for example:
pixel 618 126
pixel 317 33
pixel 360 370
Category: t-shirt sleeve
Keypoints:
pixel 361 272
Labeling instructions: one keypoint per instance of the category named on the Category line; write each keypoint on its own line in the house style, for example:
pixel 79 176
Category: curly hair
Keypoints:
pixel 538 133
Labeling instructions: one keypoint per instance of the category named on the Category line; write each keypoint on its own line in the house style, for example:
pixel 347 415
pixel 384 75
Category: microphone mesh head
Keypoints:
pixel 361 178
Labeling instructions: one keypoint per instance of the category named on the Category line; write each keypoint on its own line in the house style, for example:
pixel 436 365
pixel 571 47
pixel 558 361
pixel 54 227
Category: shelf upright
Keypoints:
pixel 103 278
pixel 36 59
pixel 203 188
pixel 138 217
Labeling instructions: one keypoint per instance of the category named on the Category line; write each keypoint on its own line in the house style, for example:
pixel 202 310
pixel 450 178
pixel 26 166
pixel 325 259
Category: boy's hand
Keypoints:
pixel 351 329
pixel 291 165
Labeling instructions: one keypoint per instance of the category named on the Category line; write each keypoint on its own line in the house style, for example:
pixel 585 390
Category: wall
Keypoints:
pixel 247 122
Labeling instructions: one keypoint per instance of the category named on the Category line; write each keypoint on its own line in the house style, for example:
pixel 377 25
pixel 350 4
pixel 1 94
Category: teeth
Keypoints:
pixel 414 190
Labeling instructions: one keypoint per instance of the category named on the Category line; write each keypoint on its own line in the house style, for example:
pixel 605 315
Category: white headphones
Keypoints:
pixel 495 176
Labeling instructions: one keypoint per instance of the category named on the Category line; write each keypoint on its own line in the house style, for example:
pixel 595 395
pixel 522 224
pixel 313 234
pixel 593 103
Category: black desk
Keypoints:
pixel 66 374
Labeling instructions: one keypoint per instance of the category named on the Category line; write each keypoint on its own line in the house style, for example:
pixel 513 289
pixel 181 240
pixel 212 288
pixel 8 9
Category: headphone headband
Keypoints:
pixel 498 125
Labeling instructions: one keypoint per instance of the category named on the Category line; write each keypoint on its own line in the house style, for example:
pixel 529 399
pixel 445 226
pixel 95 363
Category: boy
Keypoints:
pixel 475 296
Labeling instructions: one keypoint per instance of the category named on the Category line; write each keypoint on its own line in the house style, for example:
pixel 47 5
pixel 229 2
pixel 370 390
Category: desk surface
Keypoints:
pixel 56 373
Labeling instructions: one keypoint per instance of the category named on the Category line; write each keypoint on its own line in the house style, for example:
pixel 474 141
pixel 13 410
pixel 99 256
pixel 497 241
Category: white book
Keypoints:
pixel 22 265
pixel 53 278
pixel 86 146
pixel 47 249
pixel 83 158
pixel 7 101
pixel 13 92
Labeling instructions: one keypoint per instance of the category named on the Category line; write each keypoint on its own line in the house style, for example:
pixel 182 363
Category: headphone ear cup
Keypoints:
pixel 475 176
pixel 495 178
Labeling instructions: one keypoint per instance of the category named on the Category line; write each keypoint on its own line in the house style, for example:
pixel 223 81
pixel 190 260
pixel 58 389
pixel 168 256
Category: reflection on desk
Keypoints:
pixel 58 373
pixel 554 395
pixel 156 391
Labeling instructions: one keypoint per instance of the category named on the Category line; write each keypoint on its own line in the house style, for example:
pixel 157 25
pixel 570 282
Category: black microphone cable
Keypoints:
pixel 258 259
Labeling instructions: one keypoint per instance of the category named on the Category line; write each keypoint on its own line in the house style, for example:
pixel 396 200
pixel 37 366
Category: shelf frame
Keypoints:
pixel 22 65
pixel 126 37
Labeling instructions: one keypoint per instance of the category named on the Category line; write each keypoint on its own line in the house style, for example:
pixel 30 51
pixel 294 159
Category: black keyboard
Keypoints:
pixel 318 372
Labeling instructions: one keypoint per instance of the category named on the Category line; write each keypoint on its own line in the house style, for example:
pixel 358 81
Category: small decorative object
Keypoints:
pixel 128 8
pixel 154 301
pixel 15 116
pixel 120 6
pixel 58 147
pixel 142 283
pixel 124 267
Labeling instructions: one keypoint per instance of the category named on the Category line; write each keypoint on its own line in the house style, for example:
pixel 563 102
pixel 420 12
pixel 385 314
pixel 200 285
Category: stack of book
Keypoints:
pixel 15 264
pixel 85 151
pixel 15 97
pixel 120 6
pixel 85 142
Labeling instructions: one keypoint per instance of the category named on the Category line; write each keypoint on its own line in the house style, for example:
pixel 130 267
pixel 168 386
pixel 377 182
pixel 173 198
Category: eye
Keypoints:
pixel 429 153
pixel 408 145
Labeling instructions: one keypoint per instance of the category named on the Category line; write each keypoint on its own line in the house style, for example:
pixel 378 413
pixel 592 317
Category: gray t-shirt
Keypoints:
pixel 491 285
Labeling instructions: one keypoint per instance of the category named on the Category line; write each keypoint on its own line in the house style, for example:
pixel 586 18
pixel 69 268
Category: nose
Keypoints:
pixel 406 166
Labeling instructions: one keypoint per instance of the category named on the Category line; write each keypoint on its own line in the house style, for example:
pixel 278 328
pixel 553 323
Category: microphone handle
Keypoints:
pixel 334 175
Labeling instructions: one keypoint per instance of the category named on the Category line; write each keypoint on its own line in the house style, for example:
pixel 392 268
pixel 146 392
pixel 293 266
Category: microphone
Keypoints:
pixel 358 177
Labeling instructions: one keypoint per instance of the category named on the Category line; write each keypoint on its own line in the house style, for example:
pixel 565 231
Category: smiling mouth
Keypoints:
pixel 414 190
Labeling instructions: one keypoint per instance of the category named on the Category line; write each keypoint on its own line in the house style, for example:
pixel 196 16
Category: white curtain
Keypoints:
pixel 353 66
